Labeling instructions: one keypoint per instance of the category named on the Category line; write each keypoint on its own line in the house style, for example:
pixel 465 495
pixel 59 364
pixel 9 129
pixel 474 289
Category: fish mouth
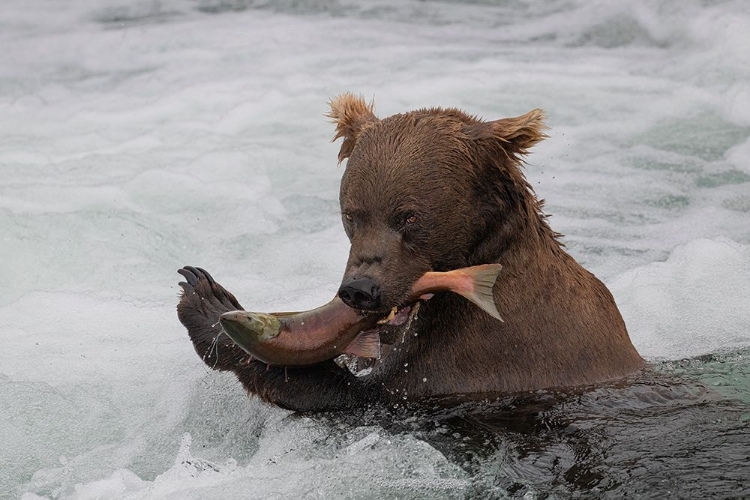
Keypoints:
pixel 392 329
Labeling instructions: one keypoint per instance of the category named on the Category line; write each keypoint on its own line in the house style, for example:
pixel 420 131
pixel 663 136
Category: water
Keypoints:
pixel 137 137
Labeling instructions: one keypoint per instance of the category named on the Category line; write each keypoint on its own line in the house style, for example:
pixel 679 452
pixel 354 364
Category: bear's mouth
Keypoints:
pixel 392 329
pixel 400 315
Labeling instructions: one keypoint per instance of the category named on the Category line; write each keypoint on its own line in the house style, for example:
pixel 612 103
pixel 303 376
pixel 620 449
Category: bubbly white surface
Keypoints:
pixel 137 137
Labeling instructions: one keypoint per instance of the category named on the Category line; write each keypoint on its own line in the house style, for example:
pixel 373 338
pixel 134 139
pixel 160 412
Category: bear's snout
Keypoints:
pixel 360 293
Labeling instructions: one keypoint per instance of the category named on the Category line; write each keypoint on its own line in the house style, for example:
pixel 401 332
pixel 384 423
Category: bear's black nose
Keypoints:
pixel 360 293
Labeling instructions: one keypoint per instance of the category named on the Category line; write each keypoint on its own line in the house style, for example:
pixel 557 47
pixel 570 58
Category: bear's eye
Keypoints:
pixel 349 216
pixel 412 219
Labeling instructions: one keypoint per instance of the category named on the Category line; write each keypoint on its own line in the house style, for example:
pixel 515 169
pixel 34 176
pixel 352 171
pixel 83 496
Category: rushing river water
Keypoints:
pixel 140 136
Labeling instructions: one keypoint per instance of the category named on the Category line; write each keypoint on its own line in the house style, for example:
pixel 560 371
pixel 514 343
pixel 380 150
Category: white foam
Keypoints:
pixel 386 464
pixel 693 303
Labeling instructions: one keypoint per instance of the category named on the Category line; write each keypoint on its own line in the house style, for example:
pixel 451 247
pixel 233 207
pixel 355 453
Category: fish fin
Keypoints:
pixel 483 279
pixel 365 345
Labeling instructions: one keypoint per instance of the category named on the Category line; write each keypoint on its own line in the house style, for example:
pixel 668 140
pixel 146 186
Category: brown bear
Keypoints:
pixel 437 189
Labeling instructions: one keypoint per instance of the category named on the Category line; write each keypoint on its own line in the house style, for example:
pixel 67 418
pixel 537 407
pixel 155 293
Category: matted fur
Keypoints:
pixel 352 115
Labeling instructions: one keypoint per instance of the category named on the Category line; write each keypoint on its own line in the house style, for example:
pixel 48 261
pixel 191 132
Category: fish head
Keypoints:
pixel 247 328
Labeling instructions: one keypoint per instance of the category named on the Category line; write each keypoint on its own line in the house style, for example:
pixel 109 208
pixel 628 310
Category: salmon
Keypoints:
pixel 309 337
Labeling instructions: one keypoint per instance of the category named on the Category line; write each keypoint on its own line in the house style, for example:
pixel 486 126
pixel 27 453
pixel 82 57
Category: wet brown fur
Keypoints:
pixel 458 181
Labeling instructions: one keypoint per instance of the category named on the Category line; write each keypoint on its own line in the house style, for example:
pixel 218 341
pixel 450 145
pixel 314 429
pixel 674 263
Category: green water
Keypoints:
pixel 678 430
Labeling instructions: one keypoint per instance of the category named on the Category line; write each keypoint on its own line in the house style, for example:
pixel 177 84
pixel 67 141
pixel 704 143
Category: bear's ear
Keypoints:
pixel 517 134
pixel 352 116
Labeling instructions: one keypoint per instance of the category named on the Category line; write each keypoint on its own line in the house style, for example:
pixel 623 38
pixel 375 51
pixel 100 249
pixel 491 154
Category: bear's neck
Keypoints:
pixel 520 240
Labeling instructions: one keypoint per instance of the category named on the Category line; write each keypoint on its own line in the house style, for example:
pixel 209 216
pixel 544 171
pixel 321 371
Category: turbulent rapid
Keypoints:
pixel 139 136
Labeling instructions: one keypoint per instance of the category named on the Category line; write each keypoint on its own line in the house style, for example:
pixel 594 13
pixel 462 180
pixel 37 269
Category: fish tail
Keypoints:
pixel 482 278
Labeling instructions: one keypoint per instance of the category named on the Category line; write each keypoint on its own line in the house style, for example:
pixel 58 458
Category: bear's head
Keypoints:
pixel 428 190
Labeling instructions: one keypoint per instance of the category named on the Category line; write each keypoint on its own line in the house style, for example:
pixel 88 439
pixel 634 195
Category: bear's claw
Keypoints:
pixel 189 275
pixel 201 283
pixel 205 274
